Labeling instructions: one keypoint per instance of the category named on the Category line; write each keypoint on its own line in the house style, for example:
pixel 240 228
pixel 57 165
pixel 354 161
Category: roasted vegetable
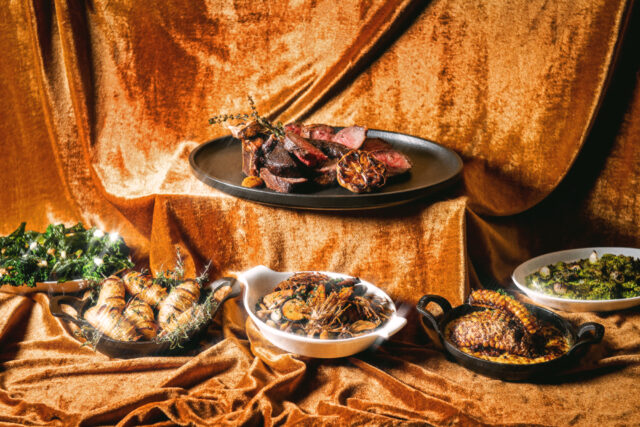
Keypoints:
pixel 140 315
pixel 142 286
pixel 595 278
pixel 111 293
pixel 180 299
pixel 109 321
pixel 360 172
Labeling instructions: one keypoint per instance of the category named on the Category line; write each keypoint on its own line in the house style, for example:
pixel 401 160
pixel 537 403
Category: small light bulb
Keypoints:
pixel 63 254
pixel 98 261
pixel 33 245
pixel 98 233
pixel 42 263
pixel 113 236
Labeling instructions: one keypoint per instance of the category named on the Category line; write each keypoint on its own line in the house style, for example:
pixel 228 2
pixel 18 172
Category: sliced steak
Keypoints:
pixel 282 184
pixel 279 162
pixel 300 147
pixel 252 156
pixel 352 136
pixel 325 175
pixel 396 162
pixel 331 149
pixel 322 132
pixel 375 144
pixel 294 127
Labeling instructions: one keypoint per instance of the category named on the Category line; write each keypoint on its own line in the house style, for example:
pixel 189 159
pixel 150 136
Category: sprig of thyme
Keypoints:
pixel 267 126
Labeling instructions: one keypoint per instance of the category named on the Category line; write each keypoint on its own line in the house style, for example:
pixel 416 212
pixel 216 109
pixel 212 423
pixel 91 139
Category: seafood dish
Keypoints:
pixel 503 330
pixel 137 307
pixel 298 158
pixel 607 277
pixel 315 305
pixel 60 254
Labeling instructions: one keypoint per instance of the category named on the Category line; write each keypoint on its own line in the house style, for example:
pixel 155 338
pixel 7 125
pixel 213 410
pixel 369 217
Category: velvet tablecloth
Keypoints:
pixel 101 103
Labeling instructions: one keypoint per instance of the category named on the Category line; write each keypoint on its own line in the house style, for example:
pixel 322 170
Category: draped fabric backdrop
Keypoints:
pixel 102 101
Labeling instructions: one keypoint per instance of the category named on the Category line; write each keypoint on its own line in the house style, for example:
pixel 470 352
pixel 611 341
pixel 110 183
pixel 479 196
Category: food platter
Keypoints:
pixel 218 163
pixel 260 280
pixel 576 305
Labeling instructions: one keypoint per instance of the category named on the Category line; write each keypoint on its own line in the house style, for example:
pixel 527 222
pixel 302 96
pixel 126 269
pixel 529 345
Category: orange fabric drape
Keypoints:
pixel 101 103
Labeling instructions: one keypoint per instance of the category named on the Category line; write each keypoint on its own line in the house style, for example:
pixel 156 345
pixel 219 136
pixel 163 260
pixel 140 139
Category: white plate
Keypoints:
pixel 566 304
pixel 261 280
pixel 50 287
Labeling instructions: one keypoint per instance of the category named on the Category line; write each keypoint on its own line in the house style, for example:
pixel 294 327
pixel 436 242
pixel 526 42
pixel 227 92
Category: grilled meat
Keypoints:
pixel 491 330
pixel 252 156
pixel 396 162
pixel 282 184
pixel 280 163
pixel 492 299
pixel 306 152
pixel 352 137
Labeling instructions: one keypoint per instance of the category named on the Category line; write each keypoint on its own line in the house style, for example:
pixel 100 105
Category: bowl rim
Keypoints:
pixel 523 270
pixel 288 335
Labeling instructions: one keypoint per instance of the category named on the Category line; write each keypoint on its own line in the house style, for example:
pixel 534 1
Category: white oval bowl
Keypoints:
pixel 570 255
pixel 261 280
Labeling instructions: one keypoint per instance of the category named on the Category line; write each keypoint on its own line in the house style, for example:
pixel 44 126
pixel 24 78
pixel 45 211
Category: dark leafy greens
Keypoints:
pixel 607 277
pixel 60 254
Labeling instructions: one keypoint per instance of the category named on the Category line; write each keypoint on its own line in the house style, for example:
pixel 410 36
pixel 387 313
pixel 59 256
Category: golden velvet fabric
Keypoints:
pixel 102 101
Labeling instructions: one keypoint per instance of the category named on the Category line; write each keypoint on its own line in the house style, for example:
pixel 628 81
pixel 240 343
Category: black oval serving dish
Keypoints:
pixel 580 339
pixel 127 349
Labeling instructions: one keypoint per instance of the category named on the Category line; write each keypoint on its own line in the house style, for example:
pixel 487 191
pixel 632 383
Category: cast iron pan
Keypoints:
pixel 580 338
pixel 126 349
pixel 218 163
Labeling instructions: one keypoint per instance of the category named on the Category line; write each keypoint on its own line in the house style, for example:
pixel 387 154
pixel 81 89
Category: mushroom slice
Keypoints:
pixel 294 310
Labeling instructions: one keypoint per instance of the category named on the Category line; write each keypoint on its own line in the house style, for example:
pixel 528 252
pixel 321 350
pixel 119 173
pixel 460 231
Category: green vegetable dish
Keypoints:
pixel 595 278
pixel 60 254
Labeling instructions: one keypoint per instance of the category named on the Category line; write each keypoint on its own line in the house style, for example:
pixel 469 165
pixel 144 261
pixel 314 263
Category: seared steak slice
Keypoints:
pixel 326 174
pixel 279 162
pixel 375 144
pixel 281 184
pixel 352 136
pixel 303 150
pixel 251 156
pixel 294 127
pixel 331 149
pixel 322 132
pixel 396 162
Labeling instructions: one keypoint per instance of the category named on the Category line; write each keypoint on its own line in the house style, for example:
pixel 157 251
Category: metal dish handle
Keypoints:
pixel 588 333
pixel 75 302
pixel 422 309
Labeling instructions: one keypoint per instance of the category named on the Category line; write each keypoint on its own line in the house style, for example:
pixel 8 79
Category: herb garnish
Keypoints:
pixel 267 126
pixel 60 254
